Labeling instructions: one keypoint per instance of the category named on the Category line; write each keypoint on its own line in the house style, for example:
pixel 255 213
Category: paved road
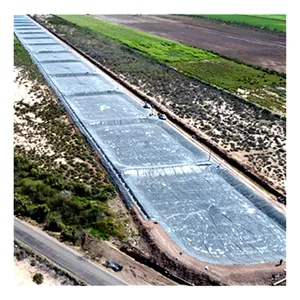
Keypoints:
pixel 63 255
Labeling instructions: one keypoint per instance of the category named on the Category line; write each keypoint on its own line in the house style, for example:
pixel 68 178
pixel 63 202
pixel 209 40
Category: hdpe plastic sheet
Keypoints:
pixel 105 107
pixel 55 57
pixel 208 217
pixel 208 212
pixel 81 85
pixel 50 47
pixel 67 68
pixel 144 144
pixel 39 40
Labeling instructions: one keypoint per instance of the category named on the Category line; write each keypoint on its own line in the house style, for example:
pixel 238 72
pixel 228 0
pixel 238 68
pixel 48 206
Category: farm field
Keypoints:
pixel 253 136
pixel 253 47
pixel 269 22
pixel 253 84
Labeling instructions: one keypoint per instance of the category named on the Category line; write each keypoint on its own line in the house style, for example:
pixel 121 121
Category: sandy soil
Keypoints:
pixel 29 138
pixel 24 272
pixel 133 272
pixel 252 47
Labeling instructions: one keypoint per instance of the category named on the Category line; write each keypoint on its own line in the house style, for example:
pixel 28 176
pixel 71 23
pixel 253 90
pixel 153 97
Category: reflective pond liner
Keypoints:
pixel 204 209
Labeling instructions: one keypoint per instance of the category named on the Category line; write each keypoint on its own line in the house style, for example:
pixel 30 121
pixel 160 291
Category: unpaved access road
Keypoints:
pixel 253 47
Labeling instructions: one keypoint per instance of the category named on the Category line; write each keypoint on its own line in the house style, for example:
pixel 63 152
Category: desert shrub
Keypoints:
pixel 38 191
pixel 54 222
pixel 104 228
pixel 67 233
pixel 40 212
pixel 22 205
pixel 38 278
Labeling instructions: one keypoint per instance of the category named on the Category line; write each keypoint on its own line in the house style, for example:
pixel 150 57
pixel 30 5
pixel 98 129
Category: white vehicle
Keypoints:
pixel 162 117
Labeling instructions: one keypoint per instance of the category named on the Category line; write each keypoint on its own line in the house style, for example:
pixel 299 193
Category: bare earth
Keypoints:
pixel 24 272
pixel 252 47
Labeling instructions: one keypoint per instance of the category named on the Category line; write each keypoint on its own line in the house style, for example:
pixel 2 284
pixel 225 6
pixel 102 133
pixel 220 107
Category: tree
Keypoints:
pixel 54 222
pixel 40 212
pixel 22 205
pixel 38 278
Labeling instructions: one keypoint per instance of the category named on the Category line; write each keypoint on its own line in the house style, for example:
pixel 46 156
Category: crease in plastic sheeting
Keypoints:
pixel 208 213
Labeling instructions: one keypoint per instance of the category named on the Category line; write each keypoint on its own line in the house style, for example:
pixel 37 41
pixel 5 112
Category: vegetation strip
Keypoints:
pixel 178 121
pixel 207 66
pixel 274 23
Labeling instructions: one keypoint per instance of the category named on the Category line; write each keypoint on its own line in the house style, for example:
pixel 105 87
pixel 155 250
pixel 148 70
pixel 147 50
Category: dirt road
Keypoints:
pixel 252 47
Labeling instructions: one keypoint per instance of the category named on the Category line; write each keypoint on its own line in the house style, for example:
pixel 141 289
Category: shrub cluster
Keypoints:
pixel 62 206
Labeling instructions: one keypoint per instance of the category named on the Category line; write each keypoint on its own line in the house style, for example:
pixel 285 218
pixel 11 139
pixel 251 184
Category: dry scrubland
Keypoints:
pixel 252 135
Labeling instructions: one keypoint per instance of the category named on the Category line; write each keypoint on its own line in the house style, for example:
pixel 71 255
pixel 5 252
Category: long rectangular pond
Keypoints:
pixel 208 212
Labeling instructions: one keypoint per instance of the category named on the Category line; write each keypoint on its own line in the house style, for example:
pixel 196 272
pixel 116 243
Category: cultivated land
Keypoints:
pixel 252 47
pixel 254 85
pixel 275 23
pixel 252 136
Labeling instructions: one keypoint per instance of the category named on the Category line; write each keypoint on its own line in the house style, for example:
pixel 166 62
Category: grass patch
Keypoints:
pixel 269 22
pixel 272 17
pixel 229 75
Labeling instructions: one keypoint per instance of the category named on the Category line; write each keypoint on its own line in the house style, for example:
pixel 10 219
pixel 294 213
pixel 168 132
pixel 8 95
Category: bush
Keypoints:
pixel 107 227
pixel 40 212
pixel 82 190
pixel 54 223
pixel 67 234
pixel 37 191
pixel 22 205
pixel 38 278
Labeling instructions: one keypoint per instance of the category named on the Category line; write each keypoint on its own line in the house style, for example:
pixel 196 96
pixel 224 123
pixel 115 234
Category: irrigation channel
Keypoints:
pixel 207 211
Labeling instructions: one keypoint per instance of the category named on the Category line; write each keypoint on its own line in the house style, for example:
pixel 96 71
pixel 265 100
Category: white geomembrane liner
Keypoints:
pixel 208 212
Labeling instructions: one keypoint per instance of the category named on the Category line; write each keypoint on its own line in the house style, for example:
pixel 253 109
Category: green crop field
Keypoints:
pixel 270 22
pixel 275 17
pixel 161 49
pixel 207 66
